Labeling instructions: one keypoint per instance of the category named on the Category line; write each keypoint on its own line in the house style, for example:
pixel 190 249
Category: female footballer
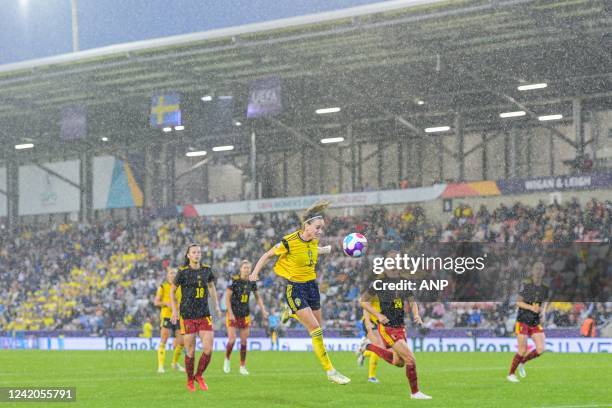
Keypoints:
pixel 162 300
pixel 196 281
pixel 394 304
pixel 297 255
pixel 237 304
pixel 532 305
pixel 370 322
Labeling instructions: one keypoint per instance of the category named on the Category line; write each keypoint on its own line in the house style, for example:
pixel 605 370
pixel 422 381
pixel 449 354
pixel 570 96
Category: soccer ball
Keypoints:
pixel 355 245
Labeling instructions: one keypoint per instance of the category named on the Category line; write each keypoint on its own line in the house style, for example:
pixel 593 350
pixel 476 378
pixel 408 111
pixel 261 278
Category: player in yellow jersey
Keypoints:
pixel 370 323
pixel 162 300
pixel 297 255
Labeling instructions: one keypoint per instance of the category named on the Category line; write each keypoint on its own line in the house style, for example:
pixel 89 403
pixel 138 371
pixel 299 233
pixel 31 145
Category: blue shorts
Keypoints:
pixel 300 295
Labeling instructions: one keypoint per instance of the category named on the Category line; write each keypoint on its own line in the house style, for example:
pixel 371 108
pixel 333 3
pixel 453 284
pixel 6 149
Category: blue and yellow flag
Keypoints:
pixel 165 110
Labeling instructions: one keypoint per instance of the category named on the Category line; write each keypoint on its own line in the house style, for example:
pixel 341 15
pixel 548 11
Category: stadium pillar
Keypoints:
pixel 171 200
pixel 551 152
pixel 341 170
pixel 322 172
pixel 578 127
pixel 485 163
pixel 254 165
pixel 12 190
pixel 419 155
pixel 460 145
pixel 303 167
pixel 529 156
pixel 206 183
pixel 379 155
pixel 359 165
pixel 439 143
pixel 86 187
pixel 163 176
pixel 506 154
pixel 400 159
pixel 285 175
pixel 349 135
pixel 148 178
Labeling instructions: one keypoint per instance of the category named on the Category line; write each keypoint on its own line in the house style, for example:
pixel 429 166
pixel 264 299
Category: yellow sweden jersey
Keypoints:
pixel 296 258
pixel 164 292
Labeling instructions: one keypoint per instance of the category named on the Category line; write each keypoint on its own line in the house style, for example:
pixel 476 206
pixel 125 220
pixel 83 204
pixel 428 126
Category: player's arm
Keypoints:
pixel 228 302
pixel 158 298
pixel 325 249
pixel 413 307
pixel 213 294
pixel 260 304
pixel 522 305
pixel 175 314
pixel 367 321
pixel 261 263
pixel 366 304
pixel 543 312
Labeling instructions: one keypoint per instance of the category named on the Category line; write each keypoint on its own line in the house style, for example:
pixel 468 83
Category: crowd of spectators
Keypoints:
pixel 104 276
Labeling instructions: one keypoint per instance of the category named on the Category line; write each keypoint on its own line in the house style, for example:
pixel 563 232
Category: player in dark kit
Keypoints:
pixel 238 317
pixel 196 281
pixel 393 308
pixel 532 311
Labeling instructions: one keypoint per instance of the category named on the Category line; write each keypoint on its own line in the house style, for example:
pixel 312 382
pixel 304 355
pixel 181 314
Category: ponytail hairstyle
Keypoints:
pixel 186 263
pixel 315 212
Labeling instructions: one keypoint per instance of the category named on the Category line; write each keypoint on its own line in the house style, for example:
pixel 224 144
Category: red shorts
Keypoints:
pixel 190 326
pixel 524 328
pixel 391 334
pixel 238 322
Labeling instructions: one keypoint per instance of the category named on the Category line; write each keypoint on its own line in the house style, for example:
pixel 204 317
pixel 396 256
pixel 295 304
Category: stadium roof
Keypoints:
pixel 376 62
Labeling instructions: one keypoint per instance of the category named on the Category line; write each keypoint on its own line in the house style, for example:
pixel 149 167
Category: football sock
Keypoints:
pixel 515 362
pixel 189 367
pixel 178 350
pixel 243 351
pixel 372 364
pixel 228 349
pixel 319 349
pixel 202 364
pixel 161 354
pixel 412 377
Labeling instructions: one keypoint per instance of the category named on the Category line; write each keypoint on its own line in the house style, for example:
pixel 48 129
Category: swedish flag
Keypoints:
pixel 165 110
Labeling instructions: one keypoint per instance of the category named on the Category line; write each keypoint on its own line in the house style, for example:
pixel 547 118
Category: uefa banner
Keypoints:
pixel 49 188
pixel 412 195
pixel 425 344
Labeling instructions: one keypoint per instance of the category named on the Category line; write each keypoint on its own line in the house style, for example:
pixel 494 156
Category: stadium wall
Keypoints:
pixel 465 344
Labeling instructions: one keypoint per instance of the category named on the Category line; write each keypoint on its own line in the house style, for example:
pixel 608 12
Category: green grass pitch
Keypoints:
pixel 294 379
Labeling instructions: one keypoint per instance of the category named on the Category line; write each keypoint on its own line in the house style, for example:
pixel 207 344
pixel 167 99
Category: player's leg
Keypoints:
pixel 373 358
pixel 231 340
pixel 400 347
pixel 518 357
pixel 178 350
pixel 244 336
pixel 540 342
pixel 190 341
pixel 275 340
pixel 161 350
pixel 381 350
pixel 311 320
pixel 207 337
